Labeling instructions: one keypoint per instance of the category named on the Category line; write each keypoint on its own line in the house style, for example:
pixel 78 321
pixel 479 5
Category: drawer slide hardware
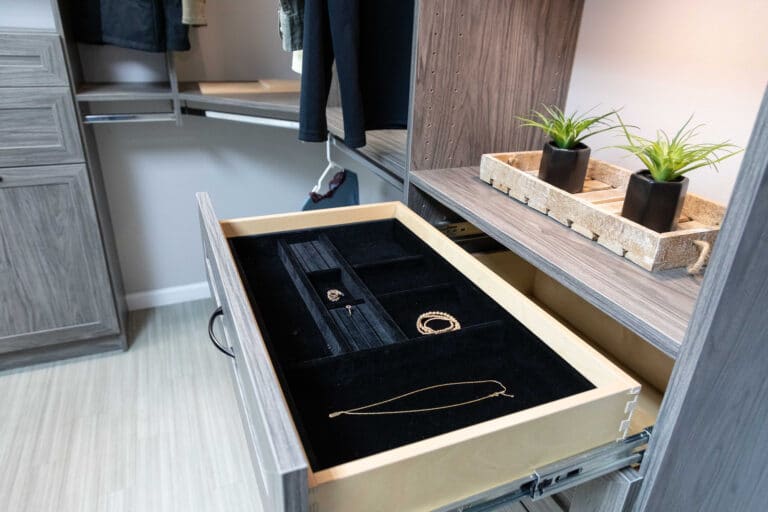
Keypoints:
pixel 562 475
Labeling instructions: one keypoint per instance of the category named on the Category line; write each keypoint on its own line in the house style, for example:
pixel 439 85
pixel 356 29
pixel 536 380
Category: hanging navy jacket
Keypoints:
pixel 370 41
pixel 149 25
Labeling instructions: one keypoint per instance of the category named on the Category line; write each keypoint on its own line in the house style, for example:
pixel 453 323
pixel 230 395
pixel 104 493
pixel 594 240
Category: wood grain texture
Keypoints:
pixel 38 127
pixel 59 352
pixel 641 360
pixel 596 212
pixel 152 429
pixel 124 91
pixel 710 445
pixel 106 231
pixel 65 23
pixel 31 60
pixel 246 100
pixel 656 306
pixel 54 284
pixel 384 148
pixel 614 492
pixel 282 459
pixel 479 64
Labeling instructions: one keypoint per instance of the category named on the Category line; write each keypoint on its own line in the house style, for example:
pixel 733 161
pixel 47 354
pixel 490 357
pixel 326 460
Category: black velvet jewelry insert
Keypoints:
pixel 365 348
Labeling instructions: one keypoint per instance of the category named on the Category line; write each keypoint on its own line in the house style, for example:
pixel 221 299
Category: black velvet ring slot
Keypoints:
pixel 389 277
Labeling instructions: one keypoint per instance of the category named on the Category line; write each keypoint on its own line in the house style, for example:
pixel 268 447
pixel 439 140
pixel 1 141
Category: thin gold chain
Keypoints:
pixel 359 411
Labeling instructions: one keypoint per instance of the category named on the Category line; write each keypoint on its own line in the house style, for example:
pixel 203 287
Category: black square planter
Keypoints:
pixel 654 204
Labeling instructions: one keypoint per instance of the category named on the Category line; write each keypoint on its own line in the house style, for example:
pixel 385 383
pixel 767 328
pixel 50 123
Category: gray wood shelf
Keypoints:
pixel 244 98
pixel 124 91
pixel 384 148
pixel 657 306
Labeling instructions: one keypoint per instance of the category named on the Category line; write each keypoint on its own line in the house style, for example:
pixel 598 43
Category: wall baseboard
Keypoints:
pixel 166 296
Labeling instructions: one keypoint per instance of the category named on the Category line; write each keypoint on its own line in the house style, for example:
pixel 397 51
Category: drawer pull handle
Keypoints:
pixel 219 312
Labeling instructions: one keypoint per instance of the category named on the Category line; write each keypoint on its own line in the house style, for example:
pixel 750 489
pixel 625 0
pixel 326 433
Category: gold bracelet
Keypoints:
pixel 422 323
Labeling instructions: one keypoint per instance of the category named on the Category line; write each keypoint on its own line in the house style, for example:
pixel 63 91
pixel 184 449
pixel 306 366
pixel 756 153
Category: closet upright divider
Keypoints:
pixel 478 64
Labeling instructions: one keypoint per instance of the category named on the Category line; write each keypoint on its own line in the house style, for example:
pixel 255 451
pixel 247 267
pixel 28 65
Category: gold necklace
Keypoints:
pixel 359 411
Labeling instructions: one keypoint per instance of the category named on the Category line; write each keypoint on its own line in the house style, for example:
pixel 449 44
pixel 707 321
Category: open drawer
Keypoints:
pixel 298 361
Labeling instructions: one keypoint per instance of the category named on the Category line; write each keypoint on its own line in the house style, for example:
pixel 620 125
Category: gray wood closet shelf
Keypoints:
pixel 656 306
pixel 276 105
pixel 384 148
pixel 124 91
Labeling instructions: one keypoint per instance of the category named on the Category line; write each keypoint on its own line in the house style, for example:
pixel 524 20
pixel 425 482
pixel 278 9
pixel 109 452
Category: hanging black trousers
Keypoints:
pixel 370 41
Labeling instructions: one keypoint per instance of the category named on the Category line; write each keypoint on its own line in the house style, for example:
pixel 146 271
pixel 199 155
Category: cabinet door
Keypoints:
pixel 54 285
pixel 31 60
pixel 38 126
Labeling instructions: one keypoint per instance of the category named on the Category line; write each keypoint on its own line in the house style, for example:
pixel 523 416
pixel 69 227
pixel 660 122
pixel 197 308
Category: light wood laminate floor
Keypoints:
pixel 152 429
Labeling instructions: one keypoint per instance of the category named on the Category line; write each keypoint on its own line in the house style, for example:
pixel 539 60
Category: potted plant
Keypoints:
pixel 655 195
pixel 565 158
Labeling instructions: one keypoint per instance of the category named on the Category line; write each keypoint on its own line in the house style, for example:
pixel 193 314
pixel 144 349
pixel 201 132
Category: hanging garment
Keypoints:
pixel 290 16
pixel 296 59
pixel 343 190
pixel 371 44
pixel 193 13
pixel 149 25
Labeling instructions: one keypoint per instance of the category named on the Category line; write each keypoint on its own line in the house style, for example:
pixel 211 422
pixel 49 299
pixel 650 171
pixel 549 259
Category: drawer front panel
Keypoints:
pixel 54 284
pixel 275 448
pixel 31 60
pixel 37 127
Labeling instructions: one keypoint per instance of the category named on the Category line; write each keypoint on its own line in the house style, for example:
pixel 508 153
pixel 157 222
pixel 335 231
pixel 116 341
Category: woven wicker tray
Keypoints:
pixel 596 212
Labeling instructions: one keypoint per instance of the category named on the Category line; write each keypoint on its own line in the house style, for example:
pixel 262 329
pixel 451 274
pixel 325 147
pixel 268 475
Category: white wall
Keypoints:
pixel 153 171
pixel 26 14
pixel 663 61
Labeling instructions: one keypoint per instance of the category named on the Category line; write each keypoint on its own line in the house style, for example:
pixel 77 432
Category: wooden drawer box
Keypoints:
pixel 568 398
pixel 31 60
pixel 38 126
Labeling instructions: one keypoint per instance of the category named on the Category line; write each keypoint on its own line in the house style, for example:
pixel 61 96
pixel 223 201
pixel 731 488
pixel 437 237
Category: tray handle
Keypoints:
pixel 704 249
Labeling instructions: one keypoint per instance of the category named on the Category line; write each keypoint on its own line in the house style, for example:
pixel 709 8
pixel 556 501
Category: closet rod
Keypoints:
pixel 129 118
pixel 242 118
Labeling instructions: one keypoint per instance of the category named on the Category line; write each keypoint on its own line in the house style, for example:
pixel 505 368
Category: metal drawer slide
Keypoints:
pixel 561 475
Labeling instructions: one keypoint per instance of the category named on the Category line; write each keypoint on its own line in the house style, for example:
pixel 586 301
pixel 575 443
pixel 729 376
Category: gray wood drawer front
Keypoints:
pixel 54 284
pixel 31 60
pixel 276 452
pixel 38 126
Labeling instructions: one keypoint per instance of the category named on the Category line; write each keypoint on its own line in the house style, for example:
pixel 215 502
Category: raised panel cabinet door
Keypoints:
pixel 38 126
pixel 54 285
pixel 31 60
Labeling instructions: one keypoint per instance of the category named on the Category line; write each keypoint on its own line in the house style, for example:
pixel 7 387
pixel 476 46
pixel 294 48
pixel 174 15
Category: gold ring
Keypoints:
pixel 334 295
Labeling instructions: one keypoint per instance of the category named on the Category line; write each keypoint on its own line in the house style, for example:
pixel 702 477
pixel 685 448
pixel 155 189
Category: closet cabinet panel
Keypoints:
pixel 37 127
pixel 54 285
pixel 31 60
pixel 480 63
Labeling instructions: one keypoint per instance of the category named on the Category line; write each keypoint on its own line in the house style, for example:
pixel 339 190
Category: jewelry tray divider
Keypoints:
pixel 389 276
